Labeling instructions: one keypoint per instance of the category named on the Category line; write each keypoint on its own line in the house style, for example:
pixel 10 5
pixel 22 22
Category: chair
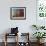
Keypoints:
pixel 14 32
pixel 26 41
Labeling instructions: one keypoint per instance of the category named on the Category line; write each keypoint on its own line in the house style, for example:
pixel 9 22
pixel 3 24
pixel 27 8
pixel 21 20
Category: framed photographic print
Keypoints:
pixel 18 13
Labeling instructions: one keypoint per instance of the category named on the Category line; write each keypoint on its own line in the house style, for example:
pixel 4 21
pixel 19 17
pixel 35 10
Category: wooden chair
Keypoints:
pixel 27 43
pixel 8 34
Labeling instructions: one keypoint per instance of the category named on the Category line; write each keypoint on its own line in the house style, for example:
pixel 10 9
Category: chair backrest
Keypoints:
pixel 14 30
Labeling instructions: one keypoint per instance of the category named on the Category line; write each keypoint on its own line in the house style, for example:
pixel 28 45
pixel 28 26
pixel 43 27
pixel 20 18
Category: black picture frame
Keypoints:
pixel 17 13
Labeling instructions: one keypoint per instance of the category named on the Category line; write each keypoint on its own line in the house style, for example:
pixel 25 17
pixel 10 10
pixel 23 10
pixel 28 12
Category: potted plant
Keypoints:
pixel 39 35
pixel 42 27
pixel 35 26
pixel 38 27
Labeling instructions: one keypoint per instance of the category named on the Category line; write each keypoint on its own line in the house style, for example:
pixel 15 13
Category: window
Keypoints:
pixel 41 8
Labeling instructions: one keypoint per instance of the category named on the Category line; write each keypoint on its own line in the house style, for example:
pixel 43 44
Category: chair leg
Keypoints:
pixel 5 43
pixel 5 40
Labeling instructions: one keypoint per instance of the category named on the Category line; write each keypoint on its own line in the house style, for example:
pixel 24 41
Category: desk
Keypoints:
pixel 8 34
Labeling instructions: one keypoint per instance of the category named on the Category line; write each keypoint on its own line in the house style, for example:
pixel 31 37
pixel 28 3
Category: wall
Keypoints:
pixel 24 25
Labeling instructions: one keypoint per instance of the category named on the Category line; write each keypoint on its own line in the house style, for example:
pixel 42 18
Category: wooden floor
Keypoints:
pixel 13 44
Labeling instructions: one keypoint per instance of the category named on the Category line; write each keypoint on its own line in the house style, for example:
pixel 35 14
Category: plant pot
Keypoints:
pixel 42 40
pixel 38 40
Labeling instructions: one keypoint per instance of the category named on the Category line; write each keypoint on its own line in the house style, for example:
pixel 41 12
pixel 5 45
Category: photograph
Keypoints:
pixel 18 13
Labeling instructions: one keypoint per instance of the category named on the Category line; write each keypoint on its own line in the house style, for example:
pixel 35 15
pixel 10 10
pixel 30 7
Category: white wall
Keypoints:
pixel 24 25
